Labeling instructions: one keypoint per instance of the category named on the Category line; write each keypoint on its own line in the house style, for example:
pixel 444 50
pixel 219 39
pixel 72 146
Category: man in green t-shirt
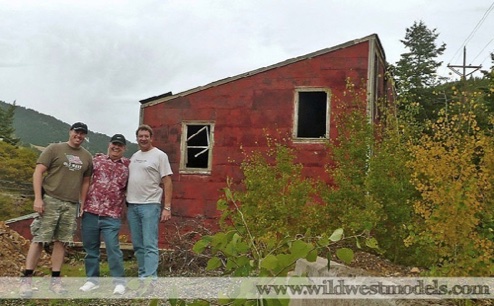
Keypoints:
pixel 60 182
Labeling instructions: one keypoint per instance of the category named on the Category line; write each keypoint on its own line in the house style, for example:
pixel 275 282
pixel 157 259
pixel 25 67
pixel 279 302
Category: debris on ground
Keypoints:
pixel 13 252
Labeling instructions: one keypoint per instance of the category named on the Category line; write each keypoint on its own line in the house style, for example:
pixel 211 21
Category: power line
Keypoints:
pixel 485 58
pixel 483 50
pixel 474 30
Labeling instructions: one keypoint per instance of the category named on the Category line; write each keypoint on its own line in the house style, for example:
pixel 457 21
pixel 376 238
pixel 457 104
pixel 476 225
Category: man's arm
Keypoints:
pixel 38 204
pixel 84 189
pixel 86 181
pixel 166 213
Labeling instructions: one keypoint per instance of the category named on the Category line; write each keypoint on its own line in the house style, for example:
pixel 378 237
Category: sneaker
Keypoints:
pixel 119 289
pixel 89 286
pixel 26 289
pixel 57 287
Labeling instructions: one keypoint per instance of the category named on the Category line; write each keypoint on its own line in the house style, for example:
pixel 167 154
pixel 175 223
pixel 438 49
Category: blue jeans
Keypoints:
pixel 92 227
pixel 143 224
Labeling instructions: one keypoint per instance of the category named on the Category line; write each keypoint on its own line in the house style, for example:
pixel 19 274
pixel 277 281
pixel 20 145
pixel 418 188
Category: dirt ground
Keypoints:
pixel 13 250
pixel 14 247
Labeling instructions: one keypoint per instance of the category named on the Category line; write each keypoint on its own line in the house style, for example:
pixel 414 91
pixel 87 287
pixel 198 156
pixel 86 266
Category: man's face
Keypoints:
pixel 76 138
pixel 116 150
pixel 144 140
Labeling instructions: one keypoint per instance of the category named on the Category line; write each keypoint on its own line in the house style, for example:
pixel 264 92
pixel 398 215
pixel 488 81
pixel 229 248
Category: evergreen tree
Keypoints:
pixel 488 89
pixel 7 130
pixel 415 72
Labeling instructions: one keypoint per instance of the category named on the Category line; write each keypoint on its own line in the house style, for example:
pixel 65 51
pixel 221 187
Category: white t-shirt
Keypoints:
pixel 145 172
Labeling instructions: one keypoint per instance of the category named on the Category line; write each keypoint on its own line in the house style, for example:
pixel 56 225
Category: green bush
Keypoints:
pixel 16 170
pixel 276 199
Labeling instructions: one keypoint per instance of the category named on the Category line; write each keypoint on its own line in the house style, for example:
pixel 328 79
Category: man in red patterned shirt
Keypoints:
pixel 102 212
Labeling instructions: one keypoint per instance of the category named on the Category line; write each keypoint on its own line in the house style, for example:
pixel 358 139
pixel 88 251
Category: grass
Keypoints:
pixel 74 266
pixel 76 269
pixel 170 264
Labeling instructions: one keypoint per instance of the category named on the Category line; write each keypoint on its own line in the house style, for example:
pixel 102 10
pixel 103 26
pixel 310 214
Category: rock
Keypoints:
pixel 414 270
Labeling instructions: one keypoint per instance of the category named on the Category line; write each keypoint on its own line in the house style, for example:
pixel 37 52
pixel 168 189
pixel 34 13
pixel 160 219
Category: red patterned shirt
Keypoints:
pixel 106 195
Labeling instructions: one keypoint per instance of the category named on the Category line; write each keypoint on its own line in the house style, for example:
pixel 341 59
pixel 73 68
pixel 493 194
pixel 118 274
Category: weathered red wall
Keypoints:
pixel 242 110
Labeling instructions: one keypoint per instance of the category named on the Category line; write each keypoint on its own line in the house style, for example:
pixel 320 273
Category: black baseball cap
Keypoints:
pixel 79 126
pixel 119 138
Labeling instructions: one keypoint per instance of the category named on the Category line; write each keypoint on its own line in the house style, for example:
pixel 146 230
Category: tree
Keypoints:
pixel 415 72
pixel 488 90
pixel 16 170
pixel 452 168
pixel 7 130
pixel 275 197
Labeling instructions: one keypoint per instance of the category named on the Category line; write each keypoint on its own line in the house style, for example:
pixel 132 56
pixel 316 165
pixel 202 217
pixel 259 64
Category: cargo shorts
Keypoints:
pixel 57 223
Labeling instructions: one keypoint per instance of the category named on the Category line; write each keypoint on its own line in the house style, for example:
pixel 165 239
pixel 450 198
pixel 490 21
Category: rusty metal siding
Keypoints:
pixel 244 111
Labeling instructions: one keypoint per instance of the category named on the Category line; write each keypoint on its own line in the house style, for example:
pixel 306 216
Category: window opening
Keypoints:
pixel 312 114
pixel 198 145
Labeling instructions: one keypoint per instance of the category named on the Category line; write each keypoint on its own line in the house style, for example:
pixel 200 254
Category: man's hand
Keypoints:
pixel 39 206
pixel 166 215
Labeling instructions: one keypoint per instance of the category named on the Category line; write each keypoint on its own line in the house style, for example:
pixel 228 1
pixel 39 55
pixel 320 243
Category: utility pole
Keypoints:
pixel 464 67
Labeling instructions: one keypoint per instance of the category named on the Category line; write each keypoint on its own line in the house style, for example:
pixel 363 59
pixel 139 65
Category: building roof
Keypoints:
pixel 24 217
pixel 169 96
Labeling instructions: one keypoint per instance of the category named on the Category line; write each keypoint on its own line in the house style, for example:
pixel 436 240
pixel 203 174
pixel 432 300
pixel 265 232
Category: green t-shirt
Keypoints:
pixel 67 167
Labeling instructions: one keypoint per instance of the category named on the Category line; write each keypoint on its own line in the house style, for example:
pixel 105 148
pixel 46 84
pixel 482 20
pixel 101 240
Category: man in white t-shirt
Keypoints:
pixel 149 195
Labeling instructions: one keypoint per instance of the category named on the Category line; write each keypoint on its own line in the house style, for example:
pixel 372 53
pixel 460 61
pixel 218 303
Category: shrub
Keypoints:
pixel 452 168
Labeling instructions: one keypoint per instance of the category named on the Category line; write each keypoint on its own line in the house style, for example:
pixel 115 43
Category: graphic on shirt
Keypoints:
pixel 74 162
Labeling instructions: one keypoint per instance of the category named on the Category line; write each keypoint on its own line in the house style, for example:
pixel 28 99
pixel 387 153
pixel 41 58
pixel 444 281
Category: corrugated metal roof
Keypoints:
pixel 24 217
pixel 169 96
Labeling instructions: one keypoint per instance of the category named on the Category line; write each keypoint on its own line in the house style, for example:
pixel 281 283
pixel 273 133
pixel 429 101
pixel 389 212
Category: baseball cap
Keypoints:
pixel 79 126
pixel 118 138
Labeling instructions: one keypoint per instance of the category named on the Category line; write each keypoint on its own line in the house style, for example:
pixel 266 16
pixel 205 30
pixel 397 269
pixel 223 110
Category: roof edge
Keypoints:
pixel 169 96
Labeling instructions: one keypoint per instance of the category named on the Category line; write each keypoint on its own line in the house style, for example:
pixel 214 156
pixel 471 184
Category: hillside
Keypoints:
pixel 39 130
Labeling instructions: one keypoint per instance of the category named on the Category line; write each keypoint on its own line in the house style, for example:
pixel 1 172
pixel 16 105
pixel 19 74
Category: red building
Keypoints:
pixel 203 130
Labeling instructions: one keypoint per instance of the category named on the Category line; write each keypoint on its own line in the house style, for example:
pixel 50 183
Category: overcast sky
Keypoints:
pixel 93 60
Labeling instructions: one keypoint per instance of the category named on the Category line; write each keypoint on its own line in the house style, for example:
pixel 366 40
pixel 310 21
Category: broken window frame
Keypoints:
pixel 295 136
pixel 207 149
